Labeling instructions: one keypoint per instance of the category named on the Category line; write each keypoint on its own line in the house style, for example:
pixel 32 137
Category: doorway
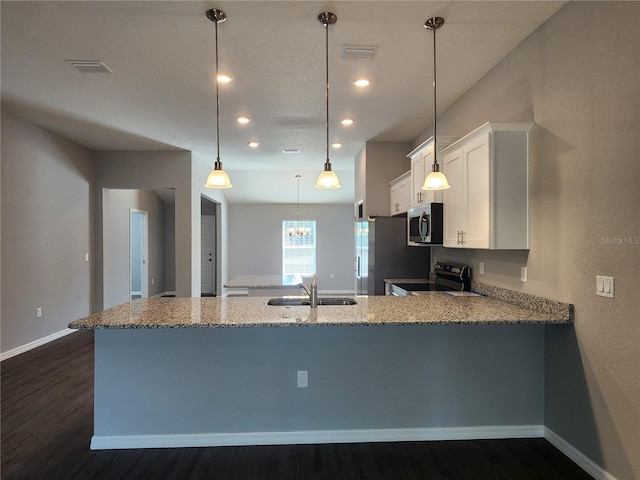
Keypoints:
pixel 138 254
pixel 208 255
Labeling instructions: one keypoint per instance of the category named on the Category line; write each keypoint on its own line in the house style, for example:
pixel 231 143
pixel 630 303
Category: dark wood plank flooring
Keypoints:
pixel 47 423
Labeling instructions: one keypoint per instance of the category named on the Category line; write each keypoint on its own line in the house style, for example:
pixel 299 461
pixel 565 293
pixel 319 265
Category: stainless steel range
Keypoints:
pixel 448 277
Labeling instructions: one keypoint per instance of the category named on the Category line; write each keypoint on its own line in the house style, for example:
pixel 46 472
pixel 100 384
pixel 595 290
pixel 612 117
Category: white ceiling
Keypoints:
pixel 161 94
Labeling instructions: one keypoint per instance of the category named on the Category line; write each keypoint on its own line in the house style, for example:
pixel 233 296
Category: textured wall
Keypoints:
pixel 578 78
pixel 255 241
pixel 46 232
pixel 116 207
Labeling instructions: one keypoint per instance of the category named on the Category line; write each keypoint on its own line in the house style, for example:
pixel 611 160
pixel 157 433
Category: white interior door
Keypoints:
pixel 138 254
pixel 207 254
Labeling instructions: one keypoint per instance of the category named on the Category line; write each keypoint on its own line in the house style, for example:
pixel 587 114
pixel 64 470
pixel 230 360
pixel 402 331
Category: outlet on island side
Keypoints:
pixel 523 274
pixel 303 379
pixel 481 268
pixel 39 312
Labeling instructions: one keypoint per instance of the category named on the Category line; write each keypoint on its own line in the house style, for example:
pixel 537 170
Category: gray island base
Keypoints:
pixel 180 373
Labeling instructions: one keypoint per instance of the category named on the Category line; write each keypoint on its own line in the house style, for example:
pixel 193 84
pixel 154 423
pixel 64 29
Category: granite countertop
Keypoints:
pixel 434 309
pixel 257 281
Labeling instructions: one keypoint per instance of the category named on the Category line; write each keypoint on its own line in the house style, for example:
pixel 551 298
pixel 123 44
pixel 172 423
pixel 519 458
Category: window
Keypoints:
pixel 298 250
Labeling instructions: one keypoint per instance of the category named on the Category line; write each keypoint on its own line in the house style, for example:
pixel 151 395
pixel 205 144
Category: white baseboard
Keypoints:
pixel 36 343
pixel 100 442
pixel 579 458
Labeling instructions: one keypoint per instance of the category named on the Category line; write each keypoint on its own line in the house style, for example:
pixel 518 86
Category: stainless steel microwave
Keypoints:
pixel 424 225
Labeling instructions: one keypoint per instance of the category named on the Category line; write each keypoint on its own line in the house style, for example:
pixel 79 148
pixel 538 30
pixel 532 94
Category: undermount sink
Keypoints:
pixel 296 301
pixel 288 302
pixel 336 301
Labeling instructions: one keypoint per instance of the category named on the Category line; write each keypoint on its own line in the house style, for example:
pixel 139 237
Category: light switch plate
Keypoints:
pixel 605 286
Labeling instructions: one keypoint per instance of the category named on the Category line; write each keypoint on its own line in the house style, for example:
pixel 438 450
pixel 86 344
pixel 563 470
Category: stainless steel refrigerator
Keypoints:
pixel 382 252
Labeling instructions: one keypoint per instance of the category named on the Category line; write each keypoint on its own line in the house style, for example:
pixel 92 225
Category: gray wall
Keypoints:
pixel 46 232
pixel 244 379
pixel 376 164
pixel 577 77
pixel 170 247
pixel 255 241
pixel 116 205
pixel 155 170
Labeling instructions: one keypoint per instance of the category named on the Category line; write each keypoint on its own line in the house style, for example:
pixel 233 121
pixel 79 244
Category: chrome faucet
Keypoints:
pixel 311 292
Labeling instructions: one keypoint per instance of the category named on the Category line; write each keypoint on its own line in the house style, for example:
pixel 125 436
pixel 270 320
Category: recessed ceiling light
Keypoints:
pixel 361 82
pixel 336 145
pixel 243 120
pixel 254 144
pixel 224 78
pixel 346 122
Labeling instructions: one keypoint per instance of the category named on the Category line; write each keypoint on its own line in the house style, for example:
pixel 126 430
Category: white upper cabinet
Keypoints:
pixel 400 194
pixel 421 162
pixel 487 206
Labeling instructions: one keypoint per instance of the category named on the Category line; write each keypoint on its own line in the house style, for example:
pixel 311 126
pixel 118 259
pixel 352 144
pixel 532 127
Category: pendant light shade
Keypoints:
pixel 436 180
pixel 327 179
pixel 218 178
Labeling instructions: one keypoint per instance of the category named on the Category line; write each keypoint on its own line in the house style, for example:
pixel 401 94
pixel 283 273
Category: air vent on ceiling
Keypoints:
pixel 291 150
pixel 366 52
pixel 89 66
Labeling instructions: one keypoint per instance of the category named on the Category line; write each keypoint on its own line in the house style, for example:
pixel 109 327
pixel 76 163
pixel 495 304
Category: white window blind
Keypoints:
pixel 298 250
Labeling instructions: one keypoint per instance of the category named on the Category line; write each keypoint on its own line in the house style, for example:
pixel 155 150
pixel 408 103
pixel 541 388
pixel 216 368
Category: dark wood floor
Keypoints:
pixel 47 423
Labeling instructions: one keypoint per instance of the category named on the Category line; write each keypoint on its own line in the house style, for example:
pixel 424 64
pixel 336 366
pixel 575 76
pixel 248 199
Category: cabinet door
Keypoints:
pixel 399 196
pixel 394 197
pixel 404 195
pixel 417 180
pixel 455 198
pixel 476 159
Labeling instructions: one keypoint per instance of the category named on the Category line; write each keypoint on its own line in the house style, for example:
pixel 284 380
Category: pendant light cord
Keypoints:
pixel 435 132
pixel 326 56
pixel 217 101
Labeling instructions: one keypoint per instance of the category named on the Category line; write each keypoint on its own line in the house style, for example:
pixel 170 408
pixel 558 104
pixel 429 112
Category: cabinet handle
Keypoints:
pixel 461 237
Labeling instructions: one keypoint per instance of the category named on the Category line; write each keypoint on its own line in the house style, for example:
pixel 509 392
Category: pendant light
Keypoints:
pixel 436 179
pixel 218 178
pixel 327 179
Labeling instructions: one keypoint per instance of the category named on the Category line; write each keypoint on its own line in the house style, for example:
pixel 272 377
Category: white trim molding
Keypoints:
pixel 100 442
pixel 579 458
pixel 36 343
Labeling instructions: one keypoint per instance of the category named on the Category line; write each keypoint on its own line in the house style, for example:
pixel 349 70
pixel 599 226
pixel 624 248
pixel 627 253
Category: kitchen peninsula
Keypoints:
pixel 178 372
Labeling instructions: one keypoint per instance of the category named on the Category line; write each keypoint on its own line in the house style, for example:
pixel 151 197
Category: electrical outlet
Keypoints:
pixel 481 268
pixel 331 276
pixel 86 257
pixel 604 286
pixel 303 378
pixel 523 274
pixel 153 280
pixel 39 312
